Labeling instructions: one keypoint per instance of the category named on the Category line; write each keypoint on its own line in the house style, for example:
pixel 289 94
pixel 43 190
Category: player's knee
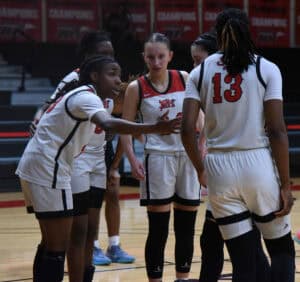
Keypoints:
pixel 156 241
pixel 52 267
pixel 112 195
pixel 184 222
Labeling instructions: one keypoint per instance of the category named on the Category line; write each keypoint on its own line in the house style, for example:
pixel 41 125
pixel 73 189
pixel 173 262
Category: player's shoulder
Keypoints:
pixel 265 64
pixel 73 75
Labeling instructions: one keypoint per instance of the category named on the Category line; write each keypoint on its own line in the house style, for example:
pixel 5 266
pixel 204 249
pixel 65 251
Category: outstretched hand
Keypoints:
pixel 167 126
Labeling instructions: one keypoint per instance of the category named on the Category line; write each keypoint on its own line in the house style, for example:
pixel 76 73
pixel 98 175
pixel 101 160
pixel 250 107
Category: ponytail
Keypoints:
pixel 235 41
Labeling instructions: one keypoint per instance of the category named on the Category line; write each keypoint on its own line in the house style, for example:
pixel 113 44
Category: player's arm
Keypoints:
pixel 190 114
pixel 276 129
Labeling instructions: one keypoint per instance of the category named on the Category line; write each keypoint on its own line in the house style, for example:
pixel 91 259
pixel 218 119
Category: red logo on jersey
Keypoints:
pixel 167 103
pixel 106 104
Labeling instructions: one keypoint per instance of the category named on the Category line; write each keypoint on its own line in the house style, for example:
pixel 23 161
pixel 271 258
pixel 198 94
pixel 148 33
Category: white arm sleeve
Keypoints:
pixel 272 77
pixel 191 90
pixel 85 105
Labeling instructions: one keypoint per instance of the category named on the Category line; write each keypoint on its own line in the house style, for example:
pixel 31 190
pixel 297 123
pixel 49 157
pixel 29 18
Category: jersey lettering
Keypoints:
pixel 167 103
pixel 232 94
pixel 98 130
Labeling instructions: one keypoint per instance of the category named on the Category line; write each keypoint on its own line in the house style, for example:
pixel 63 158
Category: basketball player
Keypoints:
pixel 61 135
pixel 241 94
pixel 167 175
pixel 211 241
pixel 96 42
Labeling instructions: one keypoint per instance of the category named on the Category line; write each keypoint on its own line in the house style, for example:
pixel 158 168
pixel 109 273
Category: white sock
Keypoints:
pixel 114 241
pixel 97 244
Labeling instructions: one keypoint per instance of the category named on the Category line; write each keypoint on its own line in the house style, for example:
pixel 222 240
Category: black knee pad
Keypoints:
pixel 52 267
pixel 89 273
pixel 158 223
pixel 212 246
pixel 37 261
pixel 96 197
pixel 282 245
pixel 242 251
pixel 184 228
pixel 282 253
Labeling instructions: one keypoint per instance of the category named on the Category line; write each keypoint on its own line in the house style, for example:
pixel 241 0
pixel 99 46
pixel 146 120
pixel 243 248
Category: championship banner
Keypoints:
pixel 269 23
pixel 126 18
pixel 179 20
pixel 20 21
pixel 211 9
pixel 68 20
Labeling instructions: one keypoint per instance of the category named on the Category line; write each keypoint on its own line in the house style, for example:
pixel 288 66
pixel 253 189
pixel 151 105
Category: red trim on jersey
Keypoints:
pixel 175 84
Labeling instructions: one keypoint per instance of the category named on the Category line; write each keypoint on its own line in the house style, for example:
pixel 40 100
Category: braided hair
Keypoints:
pixel 234 40
pixel 93 64
pixel 208 41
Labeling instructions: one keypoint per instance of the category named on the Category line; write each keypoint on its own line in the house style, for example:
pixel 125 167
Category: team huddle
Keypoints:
pixel 220 127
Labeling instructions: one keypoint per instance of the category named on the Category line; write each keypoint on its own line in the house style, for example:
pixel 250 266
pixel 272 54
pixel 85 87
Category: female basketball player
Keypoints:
pixel 64 130
pixel 241 94
pixel 167 176
pixel 211 241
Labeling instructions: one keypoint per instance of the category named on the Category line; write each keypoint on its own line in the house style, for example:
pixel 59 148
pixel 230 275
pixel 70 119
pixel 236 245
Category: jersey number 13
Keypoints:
pixel 234 91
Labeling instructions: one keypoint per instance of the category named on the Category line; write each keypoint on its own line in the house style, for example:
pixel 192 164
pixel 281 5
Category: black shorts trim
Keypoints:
pixel 186 202
pixel 233 218
pixel 109 155
pixel 55 214
pixel 156 202
pixel 209 215
pixel 263 219
pixel 96 196
pixel 30 209
pixel 81 203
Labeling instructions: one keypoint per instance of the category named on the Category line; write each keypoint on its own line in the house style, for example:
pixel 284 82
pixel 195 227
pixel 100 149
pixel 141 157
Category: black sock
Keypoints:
pixel 37 261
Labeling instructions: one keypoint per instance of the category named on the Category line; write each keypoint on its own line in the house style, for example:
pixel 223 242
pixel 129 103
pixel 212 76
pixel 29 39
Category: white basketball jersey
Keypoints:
pixel 233 105
pixel 62 133
pixel 97 141
pixel 154 104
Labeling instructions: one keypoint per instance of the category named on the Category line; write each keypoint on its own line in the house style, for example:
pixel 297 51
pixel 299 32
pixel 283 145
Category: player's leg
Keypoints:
pixel 113 214
pixel 157 194
pixel 53 209
pixel 80 183
pixel 76 250
pixel 263 198
pixel 186 202
pixel 95 204
pixel 231 213
pixel 212 250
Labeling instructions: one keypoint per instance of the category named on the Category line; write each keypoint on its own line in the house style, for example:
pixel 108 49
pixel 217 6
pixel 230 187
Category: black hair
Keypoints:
pixel 234 40
pixel 159 37
pixel 208 41
pixel 93 64
pixel 89 41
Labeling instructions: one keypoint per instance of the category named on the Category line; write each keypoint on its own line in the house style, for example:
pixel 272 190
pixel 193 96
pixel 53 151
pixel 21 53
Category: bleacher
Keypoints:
pixel 17 109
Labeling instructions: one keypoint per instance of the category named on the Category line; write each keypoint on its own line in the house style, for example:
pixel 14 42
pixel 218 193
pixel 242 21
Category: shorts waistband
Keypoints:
pixel 164 153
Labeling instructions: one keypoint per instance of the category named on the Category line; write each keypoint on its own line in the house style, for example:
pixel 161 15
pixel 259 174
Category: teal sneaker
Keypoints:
pixel 116 254
pixel 99 258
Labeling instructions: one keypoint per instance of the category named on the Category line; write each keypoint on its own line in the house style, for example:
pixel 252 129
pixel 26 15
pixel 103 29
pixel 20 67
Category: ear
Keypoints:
pixel 94 76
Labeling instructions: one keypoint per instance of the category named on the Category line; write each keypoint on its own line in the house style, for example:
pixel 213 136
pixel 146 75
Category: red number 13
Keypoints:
pixel 230 95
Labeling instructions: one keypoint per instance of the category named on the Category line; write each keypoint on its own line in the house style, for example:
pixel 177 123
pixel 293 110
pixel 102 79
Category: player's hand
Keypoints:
pixel 286 199
pixel 166 126
pixel 137 170
pixel 113 177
